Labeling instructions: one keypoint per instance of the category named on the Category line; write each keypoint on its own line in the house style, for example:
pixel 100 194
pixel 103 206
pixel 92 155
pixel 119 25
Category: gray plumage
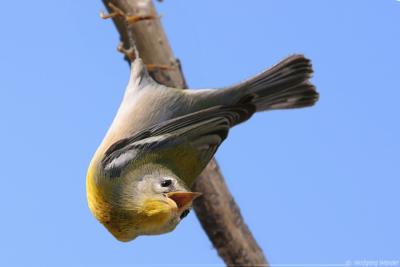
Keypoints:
pixel 153 117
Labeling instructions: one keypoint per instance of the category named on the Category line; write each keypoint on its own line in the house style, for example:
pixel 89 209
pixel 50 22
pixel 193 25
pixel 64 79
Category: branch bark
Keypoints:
pixel 217 211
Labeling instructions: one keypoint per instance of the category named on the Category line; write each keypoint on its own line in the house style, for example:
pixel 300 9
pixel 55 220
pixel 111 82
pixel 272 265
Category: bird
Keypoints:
pixel 139 179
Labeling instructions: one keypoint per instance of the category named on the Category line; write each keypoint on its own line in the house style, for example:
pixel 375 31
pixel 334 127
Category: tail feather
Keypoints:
pixel 283 86
pixel 302 95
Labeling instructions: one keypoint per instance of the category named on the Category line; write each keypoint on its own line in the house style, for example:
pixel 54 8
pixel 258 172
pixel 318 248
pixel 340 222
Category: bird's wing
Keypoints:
pixel 186 144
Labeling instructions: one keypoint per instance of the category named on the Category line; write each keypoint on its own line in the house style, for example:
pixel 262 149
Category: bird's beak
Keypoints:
pixel 183 199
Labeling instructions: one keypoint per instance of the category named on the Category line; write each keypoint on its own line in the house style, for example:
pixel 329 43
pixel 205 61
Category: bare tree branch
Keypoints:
pixel 216 210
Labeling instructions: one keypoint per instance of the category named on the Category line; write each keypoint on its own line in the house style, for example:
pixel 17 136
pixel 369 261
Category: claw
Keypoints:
pixel 153 67
pixel 107 16
pixel 116 11
pixel 134 19
pixel 129 53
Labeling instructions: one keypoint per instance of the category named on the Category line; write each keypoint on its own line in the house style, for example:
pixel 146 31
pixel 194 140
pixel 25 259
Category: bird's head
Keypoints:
pixel 147 202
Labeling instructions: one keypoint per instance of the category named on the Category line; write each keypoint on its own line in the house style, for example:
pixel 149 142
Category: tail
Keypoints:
pixel 283 86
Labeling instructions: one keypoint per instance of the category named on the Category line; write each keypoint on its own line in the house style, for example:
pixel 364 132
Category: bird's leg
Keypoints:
pixel 130 54
pixel 130 19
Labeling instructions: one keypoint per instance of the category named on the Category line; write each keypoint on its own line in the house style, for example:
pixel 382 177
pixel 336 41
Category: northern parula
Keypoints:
pixel 139 180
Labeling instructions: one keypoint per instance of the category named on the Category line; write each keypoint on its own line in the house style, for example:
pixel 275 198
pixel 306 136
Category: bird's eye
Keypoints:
pixel 166 183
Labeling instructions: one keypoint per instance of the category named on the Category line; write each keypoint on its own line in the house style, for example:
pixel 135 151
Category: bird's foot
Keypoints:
pixel 130 54
pixel 116 11
pixel 154 67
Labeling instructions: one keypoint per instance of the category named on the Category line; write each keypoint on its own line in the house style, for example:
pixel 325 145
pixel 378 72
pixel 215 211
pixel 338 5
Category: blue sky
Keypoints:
pixel 316 186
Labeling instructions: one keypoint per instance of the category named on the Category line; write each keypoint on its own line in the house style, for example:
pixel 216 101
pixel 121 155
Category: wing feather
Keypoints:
pixel 198 133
